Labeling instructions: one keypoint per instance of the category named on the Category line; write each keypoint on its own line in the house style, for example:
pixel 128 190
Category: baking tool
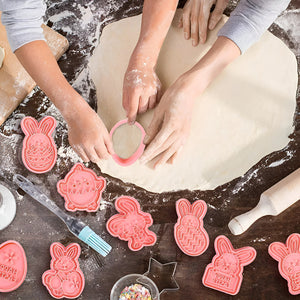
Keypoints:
pixel 65 278
pixel 288 257
pixel 15 82
pixel 7 207
pixel 131 224
pixel 13 266
pixel 163 275
pixel 39 151
pixel 272 202
pixel 225 271
pixel 81 189
pixel 159 278
pixel 137 154
pixel 134 279
pixel 77 227
pixel 189 233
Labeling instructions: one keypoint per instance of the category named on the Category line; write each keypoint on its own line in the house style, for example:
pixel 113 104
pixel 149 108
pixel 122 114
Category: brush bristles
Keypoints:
pixel 88 236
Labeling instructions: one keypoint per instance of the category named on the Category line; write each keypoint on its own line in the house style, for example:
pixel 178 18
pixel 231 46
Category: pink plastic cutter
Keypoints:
pixel 13 266
pixel 81 189
pixel 64 279
pixel 288 257
pixel 190 235
pixel 131 224
pixel 224 273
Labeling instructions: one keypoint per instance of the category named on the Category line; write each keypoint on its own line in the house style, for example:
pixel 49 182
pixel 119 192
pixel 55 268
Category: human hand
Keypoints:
pixel 197 18
pixel 88 135
pixel 141 88
pixel 170 126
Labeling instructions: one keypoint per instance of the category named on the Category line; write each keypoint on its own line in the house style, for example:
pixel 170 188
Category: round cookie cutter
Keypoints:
pixel 7 207
pixel 137 154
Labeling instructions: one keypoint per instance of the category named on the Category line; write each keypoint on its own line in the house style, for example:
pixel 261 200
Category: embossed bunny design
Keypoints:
pixel 288 257
pixel 189 232
pixel 225 271
pixel 39 151
pixel 64 279
pixel 131 224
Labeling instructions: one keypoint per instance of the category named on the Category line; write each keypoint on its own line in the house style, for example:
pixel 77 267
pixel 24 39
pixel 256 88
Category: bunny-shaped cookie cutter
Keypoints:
pixel 190 235
pixel 39 151
pixel 288 257
pixel 131 224
pixel 64 279
pixel 224 273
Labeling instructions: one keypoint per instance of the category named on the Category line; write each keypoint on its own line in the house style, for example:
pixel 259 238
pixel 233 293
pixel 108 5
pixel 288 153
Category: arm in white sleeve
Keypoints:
pixel 250 20
pixel 22 20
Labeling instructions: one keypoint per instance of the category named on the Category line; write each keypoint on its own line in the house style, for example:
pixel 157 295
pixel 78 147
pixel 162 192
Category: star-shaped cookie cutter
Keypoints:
pixel 163 275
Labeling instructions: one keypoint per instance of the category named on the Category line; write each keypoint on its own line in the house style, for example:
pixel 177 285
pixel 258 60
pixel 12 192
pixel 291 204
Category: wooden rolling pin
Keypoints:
pixel 272 202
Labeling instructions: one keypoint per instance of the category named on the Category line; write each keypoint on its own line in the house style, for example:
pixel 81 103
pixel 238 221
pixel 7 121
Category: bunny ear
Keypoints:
pixel 246 255
pixel 278 251
pixel 100 183
pixel 47 125
pixel 115 225
pixel 127 205
pixel 58 250
pixel 183 207
pixel 73 251
pixel 29 126
pixel 293 243
pixel 199 208
pixel 223 245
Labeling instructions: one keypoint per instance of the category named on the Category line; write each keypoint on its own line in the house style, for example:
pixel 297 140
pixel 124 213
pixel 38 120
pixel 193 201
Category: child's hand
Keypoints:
pixel 141 88
pixel 88 135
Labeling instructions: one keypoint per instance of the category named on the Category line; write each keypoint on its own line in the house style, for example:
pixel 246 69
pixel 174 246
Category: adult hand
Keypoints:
pixel 141 88
pixel 170 125
pixel 88 135
pixel 197 18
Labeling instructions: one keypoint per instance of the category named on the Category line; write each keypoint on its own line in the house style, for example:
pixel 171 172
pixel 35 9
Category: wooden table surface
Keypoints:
pixel 36 228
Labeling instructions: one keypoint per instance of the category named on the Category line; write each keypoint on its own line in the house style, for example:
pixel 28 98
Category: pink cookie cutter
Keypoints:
pixel 82 189
pixel 39 151
pixel 288 257
pixel 13 266
pixel 131 224
pixel 64 279
pixel 132 159
pixel 190 235
pixel 224 273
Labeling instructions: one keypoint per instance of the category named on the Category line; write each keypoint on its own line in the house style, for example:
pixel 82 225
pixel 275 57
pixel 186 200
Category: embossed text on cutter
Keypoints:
pixel 13 266
pixel 132 159
pixel 225 272
pixel 39 151
pixel 81 189
pixel 189 233
pixel 288 257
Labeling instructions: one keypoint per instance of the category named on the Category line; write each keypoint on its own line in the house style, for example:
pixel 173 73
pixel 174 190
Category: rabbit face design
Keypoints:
pixel 190 221
pixel 64 264
pixel 227 263
pixel 291 263
pixel 39 152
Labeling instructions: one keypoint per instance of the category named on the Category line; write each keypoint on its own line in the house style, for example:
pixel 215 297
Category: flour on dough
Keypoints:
pixel 2 55
pixel 245 114
pixel 126 140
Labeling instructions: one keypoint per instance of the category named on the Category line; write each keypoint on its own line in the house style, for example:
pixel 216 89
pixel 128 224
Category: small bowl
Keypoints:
pixel 133 279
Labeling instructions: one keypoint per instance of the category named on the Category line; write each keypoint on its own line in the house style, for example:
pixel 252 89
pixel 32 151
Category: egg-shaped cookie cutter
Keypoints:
pixel 137 154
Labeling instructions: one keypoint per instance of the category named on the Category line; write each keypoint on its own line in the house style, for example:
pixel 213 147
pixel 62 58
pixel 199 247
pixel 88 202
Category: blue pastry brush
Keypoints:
pixel 77 227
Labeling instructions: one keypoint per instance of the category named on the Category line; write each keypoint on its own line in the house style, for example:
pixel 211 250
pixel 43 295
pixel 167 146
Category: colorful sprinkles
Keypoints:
pixel 135 292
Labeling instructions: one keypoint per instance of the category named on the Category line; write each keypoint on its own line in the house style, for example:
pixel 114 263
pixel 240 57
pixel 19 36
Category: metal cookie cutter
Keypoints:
pixel 158 279
pixel 7 207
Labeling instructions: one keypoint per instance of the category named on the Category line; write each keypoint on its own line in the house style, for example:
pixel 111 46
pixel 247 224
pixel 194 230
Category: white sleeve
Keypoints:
pixel 22 20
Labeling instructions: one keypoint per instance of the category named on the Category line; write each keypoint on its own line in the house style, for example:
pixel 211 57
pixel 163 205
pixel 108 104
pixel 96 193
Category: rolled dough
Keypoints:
pixel 2 55
pixel 126 140
pixel 245 114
